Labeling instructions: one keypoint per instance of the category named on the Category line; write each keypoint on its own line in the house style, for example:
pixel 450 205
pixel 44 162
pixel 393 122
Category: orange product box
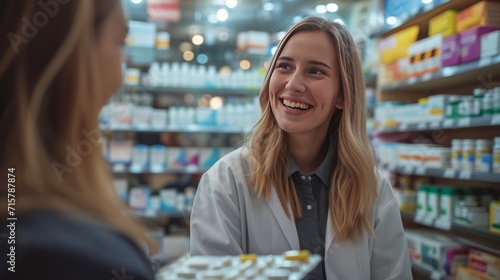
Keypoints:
pixel 484 13
pixel 466 273
pixel 444 24
pixel 396 45
pixel 485 264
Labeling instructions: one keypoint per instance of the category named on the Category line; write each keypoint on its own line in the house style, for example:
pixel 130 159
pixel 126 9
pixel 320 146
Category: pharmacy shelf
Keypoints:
pixel 448 173
pixel 190 169
pixel 474 236
pixel 451 76
pixel 184 90
pixel 426 273
pixel 484 121
pixel 151 214
pixel 190 128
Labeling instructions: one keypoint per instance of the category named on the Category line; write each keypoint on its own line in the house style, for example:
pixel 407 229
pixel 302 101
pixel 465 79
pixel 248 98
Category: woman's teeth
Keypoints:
pixel 295 105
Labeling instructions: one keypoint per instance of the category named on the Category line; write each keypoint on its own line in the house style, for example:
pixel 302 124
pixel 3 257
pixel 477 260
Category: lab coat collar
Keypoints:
pixel 288 227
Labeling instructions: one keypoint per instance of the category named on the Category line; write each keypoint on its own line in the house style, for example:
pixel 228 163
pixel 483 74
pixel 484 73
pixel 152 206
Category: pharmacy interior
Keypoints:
pixel 432 71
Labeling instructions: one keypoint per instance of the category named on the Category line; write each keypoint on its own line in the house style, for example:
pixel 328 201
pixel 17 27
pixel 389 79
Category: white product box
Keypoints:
pixel 159 118
pixel 490 44
pixel 141 34
pixel 158 158
pixel 142 116
pixel 140 158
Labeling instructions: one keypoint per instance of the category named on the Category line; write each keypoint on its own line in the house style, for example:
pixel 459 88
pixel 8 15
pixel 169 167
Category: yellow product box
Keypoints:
pixel 484 13
pixel 466 273
pixel 396 45
pixel 495 216
pixel 485 264
pixel 443 24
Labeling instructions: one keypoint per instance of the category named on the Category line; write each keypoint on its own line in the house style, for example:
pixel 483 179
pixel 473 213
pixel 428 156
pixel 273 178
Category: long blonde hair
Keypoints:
pixel 49 109
pixel 353 184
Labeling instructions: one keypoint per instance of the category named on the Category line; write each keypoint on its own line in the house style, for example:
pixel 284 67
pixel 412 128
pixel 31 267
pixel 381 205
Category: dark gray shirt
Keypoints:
pixel 312 190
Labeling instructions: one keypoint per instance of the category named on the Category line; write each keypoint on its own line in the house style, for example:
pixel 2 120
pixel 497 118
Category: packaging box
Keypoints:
pixel 425 55
pixel 450 52
pixel 484 13
pixel 495 216
pixel 454 259
pixel 443 24
pixel 490 44
pixel 466 273
pixel 396 45
pixel 470 42
pixel 177 157
pixel 485 264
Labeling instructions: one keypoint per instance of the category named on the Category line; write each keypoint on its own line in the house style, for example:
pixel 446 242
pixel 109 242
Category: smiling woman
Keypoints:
pixel 306 179
pixel 60 63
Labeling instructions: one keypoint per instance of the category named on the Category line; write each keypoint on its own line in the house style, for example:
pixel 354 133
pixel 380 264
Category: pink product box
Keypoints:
pixel 470 42
pixel 450 53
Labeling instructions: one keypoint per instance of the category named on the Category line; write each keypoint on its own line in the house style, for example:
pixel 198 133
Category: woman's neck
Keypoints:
pixel 307 152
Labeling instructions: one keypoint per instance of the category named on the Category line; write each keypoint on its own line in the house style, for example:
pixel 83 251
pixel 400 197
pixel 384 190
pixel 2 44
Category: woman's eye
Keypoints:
pixel 316 71
pixel 283 65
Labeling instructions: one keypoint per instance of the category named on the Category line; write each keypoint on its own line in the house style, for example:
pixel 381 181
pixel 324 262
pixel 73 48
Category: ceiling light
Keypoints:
pixel 198 40
pixel 216 102
pixel 231 3
pixel 136 1
pixel 245 64
pixel 202 58
pixel 338 20
pixel 332 7
pixel 222 15
pixel 391 20
pixel 320 9
pixel 188 55
pixel 268 6
pixel 426 1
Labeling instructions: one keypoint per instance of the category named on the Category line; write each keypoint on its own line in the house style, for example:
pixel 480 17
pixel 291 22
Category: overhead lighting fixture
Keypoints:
pixel 136 1
pixel 391 20
pixel 245 64
pixel 188 55
pixel 426 1
pixel 320 9
pixel 197 40
pixel 222 15
pixel 231 3
pixel 202 58
pixel 338 20
pixel 268 6
pixel 332 7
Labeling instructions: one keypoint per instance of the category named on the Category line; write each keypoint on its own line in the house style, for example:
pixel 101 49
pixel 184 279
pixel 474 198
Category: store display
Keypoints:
pixel 290 265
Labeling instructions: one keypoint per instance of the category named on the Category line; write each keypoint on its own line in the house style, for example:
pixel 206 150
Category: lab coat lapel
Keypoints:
pixel 330 234
pixel 287 224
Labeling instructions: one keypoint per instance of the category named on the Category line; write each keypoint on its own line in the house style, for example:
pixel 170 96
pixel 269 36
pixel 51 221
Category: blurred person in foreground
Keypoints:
pixel 60 63
pixel 307 177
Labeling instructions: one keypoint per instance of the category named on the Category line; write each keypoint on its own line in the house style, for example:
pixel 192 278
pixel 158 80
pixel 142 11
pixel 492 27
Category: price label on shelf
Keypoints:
pixel 420 170
pixel 464 122
pixel 434 125
pixel 495 120
pixel 448 123
pixel 422 126
pixel 465 175
pixel 449 173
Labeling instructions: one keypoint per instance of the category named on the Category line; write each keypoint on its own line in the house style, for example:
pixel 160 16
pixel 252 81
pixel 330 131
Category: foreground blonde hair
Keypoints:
pixel 49 107
pixel 353 185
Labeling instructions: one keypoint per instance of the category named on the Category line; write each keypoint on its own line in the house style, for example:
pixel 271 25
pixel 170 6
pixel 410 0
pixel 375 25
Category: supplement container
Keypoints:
pixel 433 202
pixel 483 158
pixel 496 156
pixel 468 154
pixel 496 100
pixel 487 106
pixel 452 111
pixel 422 200
pixel 448 199
pixel 456 153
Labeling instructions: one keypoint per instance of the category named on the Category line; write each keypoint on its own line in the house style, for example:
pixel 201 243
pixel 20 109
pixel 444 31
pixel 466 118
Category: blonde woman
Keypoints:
pixel 306 178
pixel 60 63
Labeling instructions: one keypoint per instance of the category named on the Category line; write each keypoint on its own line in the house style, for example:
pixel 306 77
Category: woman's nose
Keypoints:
pixel 295 83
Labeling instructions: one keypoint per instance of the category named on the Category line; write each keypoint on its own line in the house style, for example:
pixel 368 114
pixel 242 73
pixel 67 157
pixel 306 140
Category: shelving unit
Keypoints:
pixel 460 79
pixel 183 90
pixel 191 128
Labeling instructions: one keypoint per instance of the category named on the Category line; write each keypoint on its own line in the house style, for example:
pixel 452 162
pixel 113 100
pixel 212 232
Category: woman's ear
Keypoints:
pixel 340 103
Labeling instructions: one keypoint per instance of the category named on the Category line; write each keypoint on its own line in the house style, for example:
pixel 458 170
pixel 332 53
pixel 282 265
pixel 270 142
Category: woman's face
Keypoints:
pixel 109 52
pixel 304 85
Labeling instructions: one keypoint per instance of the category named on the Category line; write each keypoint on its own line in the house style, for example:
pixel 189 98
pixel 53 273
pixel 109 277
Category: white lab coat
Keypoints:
pixel 229 219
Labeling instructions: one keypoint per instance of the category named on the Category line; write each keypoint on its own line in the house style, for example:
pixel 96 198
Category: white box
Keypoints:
pixel 490 44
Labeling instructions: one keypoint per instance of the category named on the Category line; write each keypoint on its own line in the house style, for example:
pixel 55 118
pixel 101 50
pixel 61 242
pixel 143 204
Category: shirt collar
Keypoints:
pixel 324 170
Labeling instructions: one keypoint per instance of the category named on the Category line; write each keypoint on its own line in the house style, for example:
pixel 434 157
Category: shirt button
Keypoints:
pixel 309 207
pixel 309 178
pixel 303 177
